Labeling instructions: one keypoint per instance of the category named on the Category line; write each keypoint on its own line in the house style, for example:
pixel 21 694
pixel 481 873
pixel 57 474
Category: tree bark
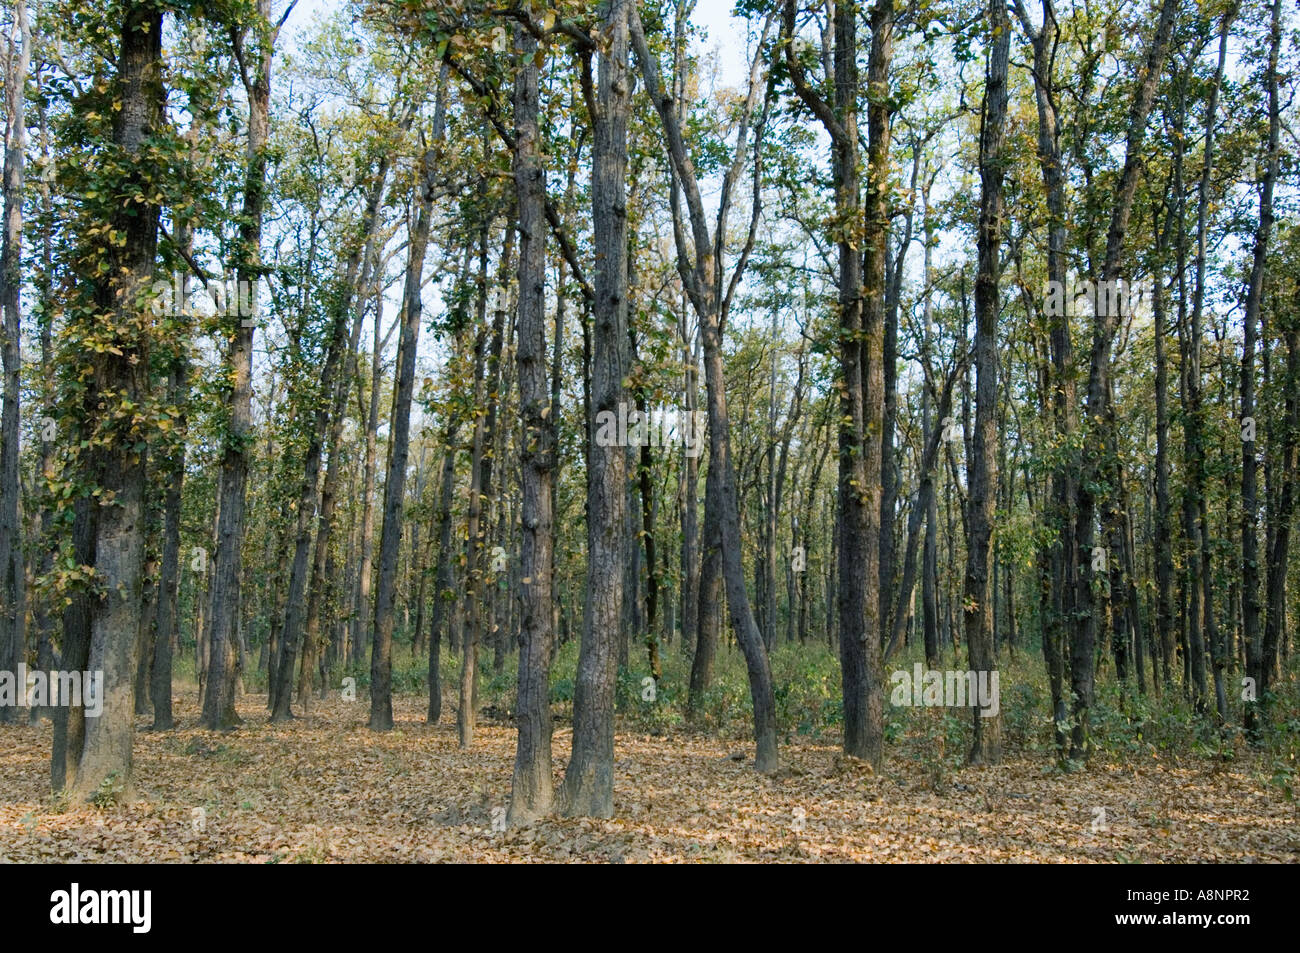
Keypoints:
pixel 226 569
pixel 13 642
pixel 703 282
pixel 1106 322
pixel 381 663
pixel 531 790
pixel 589 780
pixel 982 469
pixel 1254 294
pixel 117 536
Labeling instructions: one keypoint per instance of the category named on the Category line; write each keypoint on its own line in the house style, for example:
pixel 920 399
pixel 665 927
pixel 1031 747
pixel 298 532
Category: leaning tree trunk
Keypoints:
pixel 1106 323
pixel 357 275
pixel 703 282
pixel 381 662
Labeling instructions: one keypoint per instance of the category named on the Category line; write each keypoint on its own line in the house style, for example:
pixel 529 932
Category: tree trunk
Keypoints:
pixel 481 479
pixel 381 662
pixel 121 374
pixel 531 789
pixel 703 282
pixel 1254 295
pixel 982 473
pixel 226 568
pixel 589 780
pixel 13 642
pixel 356 278
pixel 1106 322
pixel 160 685
pixel 442 591
pixel 361 603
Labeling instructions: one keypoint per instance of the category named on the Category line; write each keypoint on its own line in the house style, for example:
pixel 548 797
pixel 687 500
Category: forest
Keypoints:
pixel 650 431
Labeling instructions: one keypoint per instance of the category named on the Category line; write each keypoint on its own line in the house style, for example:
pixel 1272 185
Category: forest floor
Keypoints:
pixel 326 789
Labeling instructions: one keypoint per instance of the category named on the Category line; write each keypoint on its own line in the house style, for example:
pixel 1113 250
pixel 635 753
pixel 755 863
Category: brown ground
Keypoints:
pixel 325 789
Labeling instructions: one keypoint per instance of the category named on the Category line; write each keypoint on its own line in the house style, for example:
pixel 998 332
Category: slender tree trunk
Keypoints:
pixel 708 598
pixel 1059 557
pixel 13 642
pixel 531 788
pixel 357 276
pixel 982 472
pixel 226 568
pixel 381 662
pixel 690 491
pixel 1164 556
pixel 442 593
pixel 308 496
pixel 1106 322
pixel 1287 436
pixel 1254 294
pixel 160 685
pixel 362 605
pixel 485 403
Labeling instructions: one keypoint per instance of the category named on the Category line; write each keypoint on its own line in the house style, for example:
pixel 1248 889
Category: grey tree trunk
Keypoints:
pixel 862 265
pixel 1254 294
pixel 1164 555
pixel 357 277
pixel 169 577
pixel 361 604
pixel 442 591
pixel 481 458
pixel 1287 435
pixel 381 663
pixel 703 282
pixel 982 468
pixel 13 642
pixel 117 539
pixel 308 496
pixel 531 789
pixel 1106 322
pixel 1059 558
pixel 690 491
pixel 225 569
pixel 708 601
pixel 589 779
